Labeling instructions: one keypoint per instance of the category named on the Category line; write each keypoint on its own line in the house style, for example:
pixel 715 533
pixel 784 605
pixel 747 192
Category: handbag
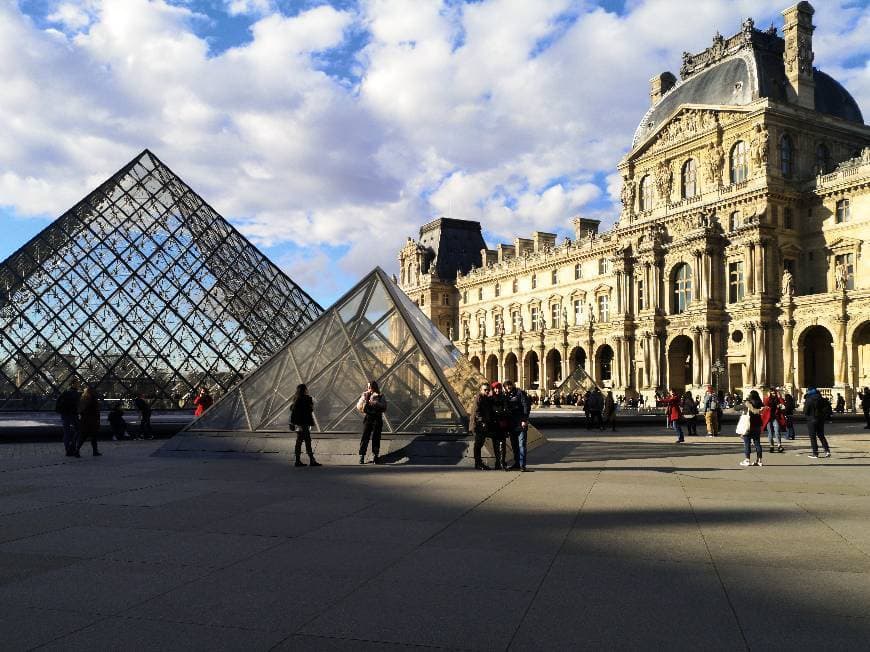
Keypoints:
pixel 742 424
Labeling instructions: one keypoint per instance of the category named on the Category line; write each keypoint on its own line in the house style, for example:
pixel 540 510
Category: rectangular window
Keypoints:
pixel 578 311
pixel 735 281
pixel 554 277
pixel 787 218
pixel 846 262
pixel 498 323
pixel 517 321
pixel 603 266
pixel 445 299
pixel 603 308
pixel 578 272
pixel 640 295
pixel 556 315
pixel 842 211
pixel 534 314
pixel 774 215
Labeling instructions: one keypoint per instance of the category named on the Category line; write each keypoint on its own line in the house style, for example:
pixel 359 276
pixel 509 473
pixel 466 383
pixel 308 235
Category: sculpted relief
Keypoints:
pixel 627 195
pixel 714 159
pixel 664 178
pixel 759 147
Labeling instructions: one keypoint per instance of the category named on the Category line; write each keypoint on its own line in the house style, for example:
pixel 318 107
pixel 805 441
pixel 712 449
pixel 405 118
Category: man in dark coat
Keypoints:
pixel 519 408
pixel 144 408
pixel 480 421
pixel 817 410
pixel 67 407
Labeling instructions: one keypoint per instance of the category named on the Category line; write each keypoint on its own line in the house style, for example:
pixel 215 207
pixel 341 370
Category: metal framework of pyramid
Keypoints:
pixel 374 332
pixel 141 287
pixel 577 381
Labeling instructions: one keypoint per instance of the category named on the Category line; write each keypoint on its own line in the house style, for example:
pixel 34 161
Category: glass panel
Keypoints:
pixel 438 416
pixel 350 310
pixel 337 390
pixel 279 420
pixel 305 346
pixel 259 389
pixel 407 387
pixel 378 305
pixel 220 416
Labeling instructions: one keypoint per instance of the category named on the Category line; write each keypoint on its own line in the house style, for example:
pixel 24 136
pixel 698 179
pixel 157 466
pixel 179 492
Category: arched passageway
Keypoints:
pixel 492 368
pixel 511 367
pixel 680 363
pixel 577 358
pixel 475 362
pixel 861 355
pixel 531 370
pixel 554 368
pixel 817 357
pixel 604 364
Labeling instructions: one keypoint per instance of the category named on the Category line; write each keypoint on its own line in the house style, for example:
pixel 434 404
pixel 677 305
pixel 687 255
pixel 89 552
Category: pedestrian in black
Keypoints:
pixel 67 407
pixel 480 422
pixel 690 412
pixel 817 410
pixel 753 407
pixel 609 412
pixel 595 405
pixel 500 425
pixel 519 409
pixel 788 412
pixel 301 420
pixel 372 406
pixel 144 407
pixel 118 423
pixel 89 421
pixel 865 406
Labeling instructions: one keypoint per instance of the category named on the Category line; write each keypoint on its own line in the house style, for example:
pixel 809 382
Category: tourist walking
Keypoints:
pixel 480 423
pixel 690 410
pixel 89 421
pixel 753 406
pixel 519 408
pixel 203 401
pixel 67 407
pixel 674 414
pixel 817 410
pixel 609 412
pixel 372 406
pixel 772 420
pixel 710 408
pixel 144 407
pixel 595 405
pixel 117 423
pixel 500 425
pixel 865 406
pixel 301 420
pixel 788 407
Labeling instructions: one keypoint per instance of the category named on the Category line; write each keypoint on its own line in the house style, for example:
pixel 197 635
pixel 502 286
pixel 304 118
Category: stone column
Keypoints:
pixel 627 376
pixel 655 358
pixel 750 363
pixel 707 356
pixel 696 356
pixel 750 269
pixel 619 302
pixel 646 360
pixel 842 351
pixel 590 354
pixel 617 363
pixel 501 357
pixel 788 324
pixel 542 368
pixel 657 282
pixel 565 371
pixel 697 280
pixel 521 368
pixel 762 268
pixel 761 355
pixel 646 287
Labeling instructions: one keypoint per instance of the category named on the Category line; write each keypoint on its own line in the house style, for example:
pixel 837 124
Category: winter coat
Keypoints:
pixel 375 406
pixel 480 418
pixel 754 412
pixel 690 408
pixel 302 413
pixel 202 403
pixel 672 407
pixel 89 411
pixel 816 407
pixel 68 402
pixel 519 407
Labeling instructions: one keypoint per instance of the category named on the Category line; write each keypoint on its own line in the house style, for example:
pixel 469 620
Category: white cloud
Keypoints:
pixel 497 110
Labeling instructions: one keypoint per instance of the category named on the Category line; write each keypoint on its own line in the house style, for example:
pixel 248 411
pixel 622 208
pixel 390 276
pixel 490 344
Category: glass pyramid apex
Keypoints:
pixel 374 332
pixel 141 287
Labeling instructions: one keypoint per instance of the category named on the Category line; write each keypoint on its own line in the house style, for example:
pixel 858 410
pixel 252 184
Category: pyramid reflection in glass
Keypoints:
pixel 374 332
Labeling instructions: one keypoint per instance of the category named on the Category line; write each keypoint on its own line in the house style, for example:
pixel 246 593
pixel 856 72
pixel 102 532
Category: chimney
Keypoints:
pixel 798 55
pixel 659 85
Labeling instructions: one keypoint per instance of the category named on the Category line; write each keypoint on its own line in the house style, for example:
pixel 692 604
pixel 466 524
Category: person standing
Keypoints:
pixel 841 404
pixel 519 408
pixel 710 407
pixel 480 423
pixel 89 421
pixel 753 406
pixel 674 414
pixel 817 410
pixel 372 405
pixel 203 401
pixel 301 420
pixel 772 421
pixel 596 407
pixel 67 407
pixel 690 410
pixel 788 407
pixel 609 413
pixel 144 407
pixel 865 406
pixel 118 423
pixel 500 426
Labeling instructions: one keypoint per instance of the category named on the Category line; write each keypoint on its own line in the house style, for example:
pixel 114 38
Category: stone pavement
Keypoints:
pixel 621 541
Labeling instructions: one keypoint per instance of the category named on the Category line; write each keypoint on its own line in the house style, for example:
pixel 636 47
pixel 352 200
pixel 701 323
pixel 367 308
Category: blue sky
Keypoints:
pixel 330 131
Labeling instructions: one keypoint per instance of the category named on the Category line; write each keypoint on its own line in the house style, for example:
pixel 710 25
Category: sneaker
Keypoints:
pixel 772 450
pixel 746 463
pixel 114 437
pixel 758 463
pixel 314 463
pixel 780 450
pixel 813 457
pixel 827 454
pixel 299 463
pixel 480 466
pixel 362 459
pixel 98 454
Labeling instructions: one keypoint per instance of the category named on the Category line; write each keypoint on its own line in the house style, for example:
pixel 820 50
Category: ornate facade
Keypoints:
pixel 737 257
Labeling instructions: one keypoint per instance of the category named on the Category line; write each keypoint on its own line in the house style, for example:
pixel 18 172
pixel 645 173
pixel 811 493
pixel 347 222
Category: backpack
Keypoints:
pixel 825 410
pixel 713 403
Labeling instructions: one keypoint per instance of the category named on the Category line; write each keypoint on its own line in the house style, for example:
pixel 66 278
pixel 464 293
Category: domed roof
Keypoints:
pixel 738 71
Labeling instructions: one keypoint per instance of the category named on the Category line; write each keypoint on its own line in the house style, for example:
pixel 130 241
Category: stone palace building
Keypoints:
pixel 738 258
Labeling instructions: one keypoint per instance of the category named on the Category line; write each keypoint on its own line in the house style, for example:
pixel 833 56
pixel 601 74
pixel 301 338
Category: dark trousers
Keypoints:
pixel 756 439
pixel 84 436
pixel 609 419
pixel 499 447
pixel 371 431
pixel 145 425
pixel 303 434
pixel 816 431
pixel 519 455
pixel 866 417
pixel 70 431
pixel 691 426
pixel 595 419
pixel 479 441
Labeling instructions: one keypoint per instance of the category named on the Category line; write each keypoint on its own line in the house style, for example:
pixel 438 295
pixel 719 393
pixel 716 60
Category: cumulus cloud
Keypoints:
pixel 510 112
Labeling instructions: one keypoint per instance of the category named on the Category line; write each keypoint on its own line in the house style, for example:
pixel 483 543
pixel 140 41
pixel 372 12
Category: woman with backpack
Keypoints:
pixel 301 420
pixel 753 407
pixel 372 406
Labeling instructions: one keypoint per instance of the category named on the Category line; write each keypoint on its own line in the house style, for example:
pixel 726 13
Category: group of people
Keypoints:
pixel 500 413
pixel 682 410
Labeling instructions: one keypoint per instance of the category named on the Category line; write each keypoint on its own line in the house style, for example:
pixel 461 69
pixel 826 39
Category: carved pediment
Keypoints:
pixel 602 289
pixel 688 122
pixel 845 243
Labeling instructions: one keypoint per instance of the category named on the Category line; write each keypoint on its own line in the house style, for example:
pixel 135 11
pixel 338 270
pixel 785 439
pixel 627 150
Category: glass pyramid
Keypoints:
pixel 374 332
pixel 577 381
pixel 140 288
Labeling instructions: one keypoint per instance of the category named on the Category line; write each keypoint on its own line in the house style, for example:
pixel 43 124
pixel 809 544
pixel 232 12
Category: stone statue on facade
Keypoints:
pixel 713 162
pixel 759 147
pixel 450 333
pixel 590 314
pixel 841 277
pixel 664 179
pixel 787 284
pixel 627 195
pixel 564 317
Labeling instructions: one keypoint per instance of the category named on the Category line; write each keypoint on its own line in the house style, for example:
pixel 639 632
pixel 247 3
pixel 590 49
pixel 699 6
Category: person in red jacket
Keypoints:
pixel 202 401
pixel 773 420
pixel 675 413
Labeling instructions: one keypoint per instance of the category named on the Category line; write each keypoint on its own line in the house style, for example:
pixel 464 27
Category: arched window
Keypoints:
pixel 823 159
pixel 689 177
pixel 682 287
pixel 498 289
pixel 534 281
pixel 646 193
pixel 578 272
pixel 515 286
pixel 786 156
pixel 739 162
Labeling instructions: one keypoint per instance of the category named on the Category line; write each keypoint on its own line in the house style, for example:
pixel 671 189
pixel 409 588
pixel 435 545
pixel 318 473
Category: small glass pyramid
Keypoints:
pixel 140 288
pixel 376 333
pixel 577 381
